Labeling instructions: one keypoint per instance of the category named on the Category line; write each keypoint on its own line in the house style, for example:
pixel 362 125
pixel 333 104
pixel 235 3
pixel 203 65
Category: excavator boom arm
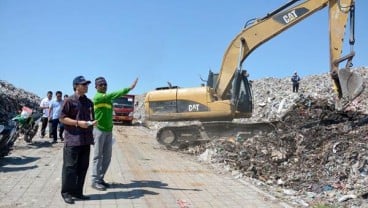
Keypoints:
pixel 275 23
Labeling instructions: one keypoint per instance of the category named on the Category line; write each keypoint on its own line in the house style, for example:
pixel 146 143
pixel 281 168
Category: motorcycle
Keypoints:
pixel 8 134
pixel 27 122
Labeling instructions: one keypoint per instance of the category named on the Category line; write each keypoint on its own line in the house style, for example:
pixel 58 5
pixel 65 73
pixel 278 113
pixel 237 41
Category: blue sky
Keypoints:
pixel 45 44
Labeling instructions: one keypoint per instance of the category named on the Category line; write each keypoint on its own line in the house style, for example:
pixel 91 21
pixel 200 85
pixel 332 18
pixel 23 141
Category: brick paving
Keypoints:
pixel 142 176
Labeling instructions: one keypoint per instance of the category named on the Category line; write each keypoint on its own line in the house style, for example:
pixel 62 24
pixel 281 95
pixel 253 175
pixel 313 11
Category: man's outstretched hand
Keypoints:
pixel 134 84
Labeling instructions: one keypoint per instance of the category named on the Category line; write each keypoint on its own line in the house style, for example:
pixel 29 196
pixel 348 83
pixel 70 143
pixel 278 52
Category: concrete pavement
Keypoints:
pixel 142 175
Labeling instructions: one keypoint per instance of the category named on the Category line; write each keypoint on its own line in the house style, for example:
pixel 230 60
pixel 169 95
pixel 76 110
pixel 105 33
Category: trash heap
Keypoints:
pixel 11 98
pixel 318 155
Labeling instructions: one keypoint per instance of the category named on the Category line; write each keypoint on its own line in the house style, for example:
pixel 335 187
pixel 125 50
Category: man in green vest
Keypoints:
pixel 103 110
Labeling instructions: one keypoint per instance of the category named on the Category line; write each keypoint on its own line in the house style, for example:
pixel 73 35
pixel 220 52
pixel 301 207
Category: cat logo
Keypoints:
pixel 193 107
pixel 290 16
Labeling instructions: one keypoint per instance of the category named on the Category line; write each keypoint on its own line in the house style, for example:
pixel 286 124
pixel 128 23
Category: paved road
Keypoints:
pixel 142 175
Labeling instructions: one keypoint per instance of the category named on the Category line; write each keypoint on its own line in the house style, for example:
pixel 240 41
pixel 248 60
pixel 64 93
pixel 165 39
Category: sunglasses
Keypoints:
pixel 101 85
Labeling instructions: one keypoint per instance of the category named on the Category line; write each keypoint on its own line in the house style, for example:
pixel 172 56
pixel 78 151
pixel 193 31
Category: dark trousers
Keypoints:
pixel 55 124
pixel 75 166
pixel 61 130
pixel 295 87
pixel 44 123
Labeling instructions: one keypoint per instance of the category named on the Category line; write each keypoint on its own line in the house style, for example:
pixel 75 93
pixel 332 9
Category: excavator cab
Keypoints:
pixel 242 98
pixel 212 79
pixel 241 94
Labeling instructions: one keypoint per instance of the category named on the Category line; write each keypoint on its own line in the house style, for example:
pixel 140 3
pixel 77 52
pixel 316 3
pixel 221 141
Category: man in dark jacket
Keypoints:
pixel 78 118
pixel 295 79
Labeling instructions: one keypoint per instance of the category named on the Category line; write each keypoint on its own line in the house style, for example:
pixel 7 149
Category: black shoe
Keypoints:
pixel 105 184
pixel 54 141
pixel 68 199
pixel 98 186
pixel 82 197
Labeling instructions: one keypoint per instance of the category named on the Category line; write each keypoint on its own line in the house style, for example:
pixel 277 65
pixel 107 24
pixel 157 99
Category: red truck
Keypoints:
pixel 123 109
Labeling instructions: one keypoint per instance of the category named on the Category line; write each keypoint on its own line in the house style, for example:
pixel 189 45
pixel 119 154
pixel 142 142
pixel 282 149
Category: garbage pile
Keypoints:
pixel 318 157
pixel 273 97
pixel 11 98
pixel 317 154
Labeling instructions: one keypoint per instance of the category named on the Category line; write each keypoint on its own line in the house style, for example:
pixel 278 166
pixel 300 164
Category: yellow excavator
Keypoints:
pixel 228 94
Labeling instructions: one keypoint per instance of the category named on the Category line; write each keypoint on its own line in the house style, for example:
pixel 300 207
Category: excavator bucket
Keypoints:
pixel 351 83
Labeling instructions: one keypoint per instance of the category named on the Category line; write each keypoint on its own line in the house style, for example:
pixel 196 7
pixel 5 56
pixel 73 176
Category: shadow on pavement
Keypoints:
pixel 148 183
pixel 132 194
pixel 137 192
pixel 34 145
pixel 14 169
pixel 39 144
pixel 17 163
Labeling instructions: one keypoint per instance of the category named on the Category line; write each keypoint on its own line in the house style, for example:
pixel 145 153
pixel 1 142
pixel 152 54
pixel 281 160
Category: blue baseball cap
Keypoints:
pixel 80 80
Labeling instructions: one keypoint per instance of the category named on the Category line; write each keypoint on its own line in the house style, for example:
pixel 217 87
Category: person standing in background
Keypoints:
pixel 295 79
pixel 54 114
pixel 61 125
pixel 103 131
pixel 44 105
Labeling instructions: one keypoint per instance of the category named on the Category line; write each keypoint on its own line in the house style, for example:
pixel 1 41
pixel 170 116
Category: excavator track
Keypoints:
pixel 179 137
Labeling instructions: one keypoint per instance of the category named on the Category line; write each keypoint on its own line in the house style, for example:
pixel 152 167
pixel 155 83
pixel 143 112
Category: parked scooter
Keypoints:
pixel 8 134
pixel 27 122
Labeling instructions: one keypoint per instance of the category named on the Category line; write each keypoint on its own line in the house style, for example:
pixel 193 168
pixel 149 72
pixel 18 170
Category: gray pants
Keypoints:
pixel 101 154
